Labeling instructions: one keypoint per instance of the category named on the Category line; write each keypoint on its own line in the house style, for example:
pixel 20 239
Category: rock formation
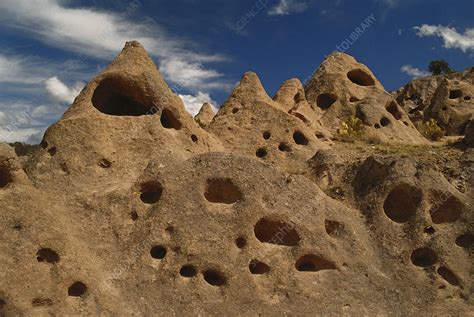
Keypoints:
pixel 343 88
pixel 448 99
pixel 130 207
pixel 205 115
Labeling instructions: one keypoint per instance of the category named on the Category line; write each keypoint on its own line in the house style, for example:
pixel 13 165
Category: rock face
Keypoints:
pixel 343 88
pixel 446 98
pixel 130 207
pixel 205 115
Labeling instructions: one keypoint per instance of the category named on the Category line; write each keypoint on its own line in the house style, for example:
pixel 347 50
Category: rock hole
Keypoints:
pixel 276 232
pixel 444 108
pixel 235 110
pixel 266 135
pixel 353 99
pixel 455 94
pixel 158 252
pixel 430 230
pixel 194 138
pixel 38 302
pixel 402 203
pixel 77 289
pixel 188 271
pixel 393 109
pixel 134 215
pixel 120 97
pixel 467 98
pixel 406 123
pixel 5 176
pixel 104 163
pixel 324 101
pixel 424 257
pixel 222 190
pixel 334 228
pixel 241 242
pixel 283 147
pixel 448 275
pixel 169 121
pixel 360 77
pixel 300 138
pixel 301 117
pixel 313 263
pixel 52 151
pixel 377 126
pixel 319 135
pixel 465 240
pixel 214 278
pixel 3 303
pixel 170 229
pixel 151 192
pixel 261 153
pixel 47 255
pixel 449 211
pixel 384 122
pixel 258 268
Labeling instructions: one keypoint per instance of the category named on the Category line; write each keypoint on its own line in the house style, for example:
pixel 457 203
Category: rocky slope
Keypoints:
pixel 131 207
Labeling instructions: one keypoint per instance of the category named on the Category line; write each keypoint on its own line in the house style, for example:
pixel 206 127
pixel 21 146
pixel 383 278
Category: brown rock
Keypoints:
pixel 205 115
pixel 343 88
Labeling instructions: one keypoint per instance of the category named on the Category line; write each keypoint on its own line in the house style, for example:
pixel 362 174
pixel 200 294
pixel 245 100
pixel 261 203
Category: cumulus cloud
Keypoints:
pixel 414 72
pixel 101 34
pixel 286 7
pixel 450 36
pixel 60 92
pixel 194 103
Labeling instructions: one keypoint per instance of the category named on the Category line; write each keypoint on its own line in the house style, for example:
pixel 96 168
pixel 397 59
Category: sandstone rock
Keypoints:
pixel 469 138
pixel 205 115
pixel 343 88
pixel 130 208
pixel 251 123
pixel 445 98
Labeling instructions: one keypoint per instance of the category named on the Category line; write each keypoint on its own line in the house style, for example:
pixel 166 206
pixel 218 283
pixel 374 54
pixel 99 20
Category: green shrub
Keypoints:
pixel 351 129
pixel 431 130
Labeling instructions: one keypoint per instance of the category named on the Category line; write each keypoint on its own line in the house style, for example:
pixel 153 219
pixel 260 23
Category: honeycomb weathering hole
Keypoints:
pixel 384 122
pixel 276 232
pixel 151 192
pixel 449 211
pixel 261 153
pixel 258 268
pixel 313 263
pixel 266 135
pixel 300 138
pixel 158 252
pixel 360 77
pixel 402 203
pixel 424 257
pixel 223 191
pixel 241 242
pixel 47 255
pixel 455 94
pixel 5 176
pixel 393 109
pixel 120 97
pixel 283 147
pixel 465 240
pixel 77 289
pixel 448 275
pixel 334 228
pixel 324 101
pixel 188 271
pixel 169 120
pixel 214 278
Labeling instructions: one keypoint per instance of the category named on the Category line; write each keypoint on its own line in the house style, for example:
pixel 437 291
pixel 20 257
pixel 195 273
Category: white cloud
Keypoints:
pixel 194 103
pixel 101 34
pixel 60 92
pixel 286 7
pixel 414 72
pixel 451 37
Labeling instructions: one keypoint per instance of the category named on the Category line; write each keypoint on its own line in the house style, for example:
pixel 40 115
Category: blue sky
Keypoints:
pixel 50 48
